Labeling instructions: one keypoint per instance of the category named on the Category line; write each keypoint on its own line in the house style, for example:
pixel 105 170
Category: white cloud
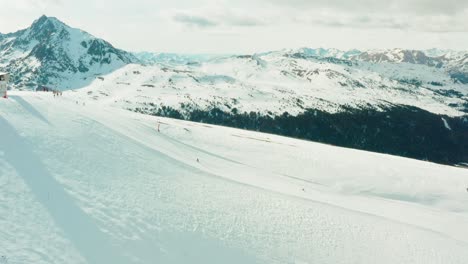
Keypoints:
pixel 194 20
pixel 416 15
pixel 414 7
pixel 215 17
pixel 422 23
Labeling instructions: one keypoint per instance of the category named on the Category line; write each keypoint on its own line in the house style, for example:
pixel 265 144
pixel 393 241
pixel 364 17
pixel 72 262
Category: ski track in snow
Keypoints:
pixel 96 184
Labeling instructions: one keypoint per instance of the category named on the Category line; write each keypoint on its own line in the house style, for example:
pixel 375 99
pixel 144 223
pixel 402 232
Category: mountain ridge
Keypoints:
pixel 51 53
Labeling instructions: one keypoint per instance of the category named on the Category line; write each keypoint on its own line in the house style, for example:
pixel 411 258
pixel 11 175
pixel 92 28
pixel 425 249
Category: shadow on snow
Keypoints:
pixel 78 227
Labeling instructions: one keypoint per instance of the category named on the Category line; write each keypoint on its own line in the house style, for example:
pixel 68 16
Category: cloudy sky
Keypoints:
pixel 245 26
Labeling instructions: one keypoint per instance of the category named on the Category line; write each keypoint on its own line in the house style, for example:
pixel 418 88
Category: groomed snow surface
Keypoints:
pixel 86 183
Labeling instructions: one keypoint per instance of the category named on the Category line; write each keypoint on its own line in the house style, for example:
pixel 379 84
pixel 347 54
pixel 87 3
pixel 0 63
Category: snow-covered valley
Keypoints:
pixel 87 182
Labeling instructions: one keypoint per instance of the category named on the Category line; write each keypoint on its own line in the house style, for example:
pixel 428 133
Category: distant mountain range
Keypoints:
pixel 406 102
pixel 51 53
pixel 153 58
pixel 454 63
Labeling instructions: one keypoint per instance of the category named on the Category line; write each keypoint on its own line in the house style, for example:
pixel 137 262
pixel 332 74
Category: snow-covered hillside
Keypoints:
pixel 83 182
pixel 53 54
pixel 305 96
pixel 279 82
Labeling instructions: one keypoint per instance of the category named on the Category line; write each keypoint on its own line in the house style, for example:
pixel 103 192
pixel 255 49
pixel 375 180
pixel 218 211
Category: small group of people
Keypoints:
pixel 43 89
pixel 57 93
pixel 47 89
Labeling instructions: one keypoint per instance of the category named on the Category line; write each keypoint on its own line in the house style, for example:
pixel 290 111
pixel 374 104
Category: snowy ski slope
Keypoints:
pixel 83 182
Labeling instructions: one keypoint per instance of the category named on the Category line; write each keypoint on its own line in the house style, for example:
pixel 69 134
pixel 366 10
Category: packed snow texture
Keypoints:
pixel 83 182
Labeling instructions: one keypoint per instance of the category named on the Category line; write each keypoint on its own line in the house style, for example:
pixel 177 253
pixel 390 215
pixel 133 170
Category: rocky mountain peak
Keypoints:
pixel 52 53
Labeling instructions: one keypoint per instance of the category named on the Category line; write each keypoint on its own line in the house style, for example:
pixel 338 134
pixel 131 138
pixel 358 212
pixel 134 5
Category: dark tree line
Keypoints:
pixel 399 130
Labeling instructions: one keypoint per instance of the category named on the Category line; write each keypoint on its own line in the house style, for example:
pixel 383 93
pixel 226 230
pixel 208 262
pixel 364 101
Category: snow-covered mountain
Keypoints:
pixel 453 62
pixel 400 56
pixel 90 184
pixel 301 94
pixel 278 82
pixel 348 98
pixel 53 54
pixel 322 52
pixel 170 59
